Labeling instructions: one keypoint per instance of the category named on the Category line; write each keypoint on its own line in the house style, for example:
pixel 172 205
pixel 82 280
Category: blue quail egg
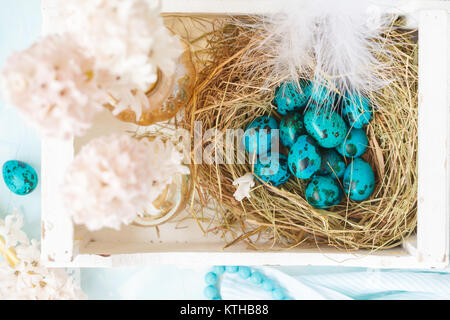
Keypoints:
pixel 326 127
pixel 291 127
pixel 354 145
pixel 332 164
pixel 258 136
pixel 323 192
pixel 272 168
pixel 292 96
pixel 304 157
pixel 359 180
pixel 357 109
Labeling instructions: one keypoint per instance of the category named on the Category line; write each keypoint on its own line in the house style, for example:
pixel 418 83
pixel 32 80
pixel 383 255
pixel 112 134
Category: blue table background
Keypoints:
pixel 20 25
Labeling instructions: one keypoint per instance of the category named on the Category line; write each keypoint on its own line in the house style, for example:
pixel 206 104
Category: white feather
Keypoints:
pixel 329 40
pixel 344 46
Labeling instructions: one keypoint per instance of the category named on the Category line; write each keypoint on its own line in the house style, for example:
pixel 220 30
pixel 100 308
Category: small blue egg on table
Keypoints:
pixel 291 127
pixel 19 177
pixel 326 127
pixel 354 145
pixel 359 180
pixel 357 109
pixel 332 164
pixel 323 192
pixel 321 96
pixel 292 96
pixel 272 169
pixel 258 136
pixel 304 158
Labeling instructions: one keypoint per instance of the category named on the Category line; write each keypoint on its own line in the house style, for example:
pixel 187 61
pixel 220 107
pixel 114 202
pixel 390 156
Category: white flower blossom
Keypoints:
pixel 129 39
pixel 115 178
pixel 54 85
pixel 10 229
pixel 244 183
pixel 29 280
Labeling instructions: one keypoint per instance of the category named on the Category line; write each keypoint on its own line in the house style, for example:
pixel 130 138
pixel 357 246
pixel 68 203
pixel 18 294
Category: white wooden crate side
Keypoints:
pixel 195 258
pixel 434 111
pixel 57 228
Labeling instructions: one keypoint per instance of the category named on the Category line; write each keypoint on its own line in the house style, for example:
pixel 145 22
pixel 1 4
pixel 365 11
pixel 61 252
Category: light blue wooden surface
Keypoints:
pixel 20 24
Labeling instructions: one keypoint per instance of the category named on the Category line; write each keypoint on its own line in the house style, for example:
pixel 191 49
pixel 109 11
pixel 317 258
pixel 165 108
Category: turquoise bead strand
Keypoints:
pixel 212 280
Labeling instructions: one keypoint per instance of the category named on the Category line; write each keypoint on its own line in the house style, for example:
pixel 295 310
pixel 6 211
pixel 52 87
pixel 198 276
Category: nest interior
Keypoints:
pixel 234 87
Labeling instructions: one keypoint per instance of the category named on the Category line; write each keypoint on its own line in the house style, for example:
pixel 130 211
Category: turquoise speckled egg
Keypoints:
pixel 323 192
pixel 272 169
pixel 332 164
pixel 357 109
pixel 321 96
pixel 19 177
pixel 290 97
pixel 259 136
pixel 354 145
pixel 359 180
pixel 291 127
pixel 326 127
pixel 304 157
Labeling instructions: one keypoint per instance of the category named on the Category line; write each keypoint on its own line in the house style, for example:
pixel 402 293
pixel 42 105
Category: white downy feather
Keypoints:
pixel 344 46
pixel 329 40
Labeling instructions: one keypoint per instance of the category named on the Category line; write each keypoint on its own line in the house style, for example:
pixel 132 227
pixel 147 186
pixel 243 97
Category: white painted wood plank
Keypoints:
pixel 57 228
pixel 56 155
pixel 195 258
pixel 434 111
pixel 236 7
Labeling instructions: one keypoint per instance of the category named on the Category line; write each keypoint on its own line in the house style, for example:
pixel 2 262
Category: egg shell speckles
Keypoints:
pixel 321 96
pixel 304 157
pixel 354 145
pixel 273 169
pixel 323 192
pixel 259 136
pixel 19 177
pixel 359 180
pixel 290 97
pixel 326 127
pixel 332 164
pixel 357 109
pixel 291 127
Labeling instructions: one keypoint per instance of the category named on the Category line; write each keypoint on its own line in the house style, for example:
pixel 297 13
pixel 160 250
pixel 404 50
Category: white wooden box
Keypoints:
pixel 64 245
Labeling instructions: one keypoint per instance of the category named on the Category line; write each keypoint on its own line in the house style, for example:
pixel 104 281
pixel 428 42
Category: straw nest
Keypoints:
pixel 235 87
